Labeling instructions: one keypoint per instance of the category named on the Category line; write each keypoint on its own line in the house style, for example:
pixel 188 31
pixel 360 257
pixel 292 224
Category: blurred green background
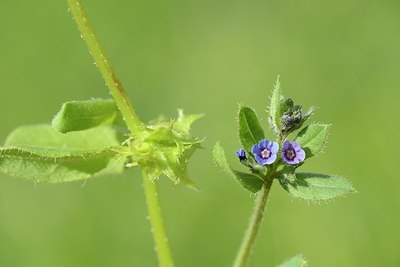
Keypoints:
pixel 206 57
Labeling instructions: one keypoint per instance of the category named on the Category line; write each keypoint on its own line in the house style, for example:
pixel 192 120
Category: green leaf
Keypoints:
pixel 313 138
pixel 82 115
pixel 247 180
pixel 274 107
pixel 41 154
pixel 23 164
pixel 45 141
pixel 250 131
pixel 296 261
pixel 312 186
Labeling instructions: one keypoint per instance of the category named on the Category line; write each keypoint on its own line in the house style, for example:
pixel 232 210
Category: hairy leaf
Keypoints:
pixel 274 107
pixel 82 115
pixel 45 141
pixel 296 261
pixel 250 131
pixel 41 154
pixel 247 180
pixel 23 164
pixel 313 138
pixel 312 186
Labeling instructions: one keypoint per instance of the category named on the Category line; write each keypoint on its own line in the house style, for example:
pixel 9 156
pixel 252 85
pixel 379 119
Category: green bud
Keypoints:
pixel 292 116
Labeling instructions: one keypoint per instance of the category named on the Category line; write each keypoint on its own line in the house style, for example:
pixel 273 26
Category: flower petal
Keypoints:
pixel 288 161
pixel 295 145
pixel 264 144
pixel 274 147
pixel 286 145
pixel 301 155
pixel 271 159
pixel 256 150
pixel 260 160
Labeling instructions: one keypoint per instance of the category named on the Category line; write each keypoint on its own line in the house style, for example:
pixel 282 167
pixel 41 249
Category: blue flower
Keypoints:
pixel 292 153
pixel 241 154
pixel 265 152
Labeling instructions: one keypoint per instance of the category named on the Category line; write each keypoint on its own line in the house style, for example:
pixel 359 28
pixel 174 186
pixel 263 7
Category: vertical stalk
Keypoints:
pixel 114 85
pixel 157 224
pixel 250 236
pixel 133 123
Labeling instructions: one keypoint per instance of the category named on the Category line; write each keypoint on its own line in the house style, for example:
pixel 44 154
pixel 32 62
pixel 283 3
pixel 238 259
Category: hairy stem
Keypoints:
pixel 249 239
pixel 156 222
pixel 133 123
pixel 114 85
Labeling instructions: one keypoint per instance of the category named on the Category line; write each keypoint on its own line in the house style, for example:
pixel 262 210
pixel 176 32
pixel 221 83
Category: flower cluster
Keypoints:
pixel 265 152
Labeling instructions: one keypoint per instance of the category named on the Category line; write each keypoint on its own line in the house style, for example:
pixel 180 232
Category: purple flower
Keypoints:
pixel 241 154
pixel 292 153
pixel 265 152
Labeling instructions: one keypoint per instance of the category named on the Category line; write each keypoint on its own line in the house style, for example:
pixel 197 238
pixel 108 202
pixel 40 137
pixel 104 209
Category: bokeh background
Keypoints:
pixel 206 57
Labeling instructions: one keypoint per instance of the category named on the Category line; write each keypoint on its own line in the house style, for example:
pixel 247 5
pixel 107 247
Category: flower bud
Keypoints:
pixel 292 118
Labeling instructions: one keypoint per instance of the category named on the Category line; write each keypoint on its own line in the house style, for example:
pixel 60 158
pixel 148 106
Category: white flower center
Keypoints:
pixel 265 154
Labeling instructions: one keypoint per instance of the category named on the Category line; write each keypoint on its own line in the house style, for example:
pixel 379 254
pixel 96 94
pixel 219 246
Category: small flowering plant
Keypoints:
pixel 279 158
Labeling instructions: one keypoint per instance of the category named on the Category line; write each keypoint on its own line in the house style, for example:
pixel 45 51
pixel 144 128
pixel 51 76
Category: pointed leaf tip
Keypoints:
pixel 296 261
pixel 184 122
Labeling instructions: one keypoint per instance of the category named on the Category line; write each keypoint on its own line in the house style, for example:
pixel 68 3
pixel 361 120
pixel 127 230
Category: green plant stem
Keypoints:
pixel 133 123
pixel 249 239
pixel 114 85
pixel 157 225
